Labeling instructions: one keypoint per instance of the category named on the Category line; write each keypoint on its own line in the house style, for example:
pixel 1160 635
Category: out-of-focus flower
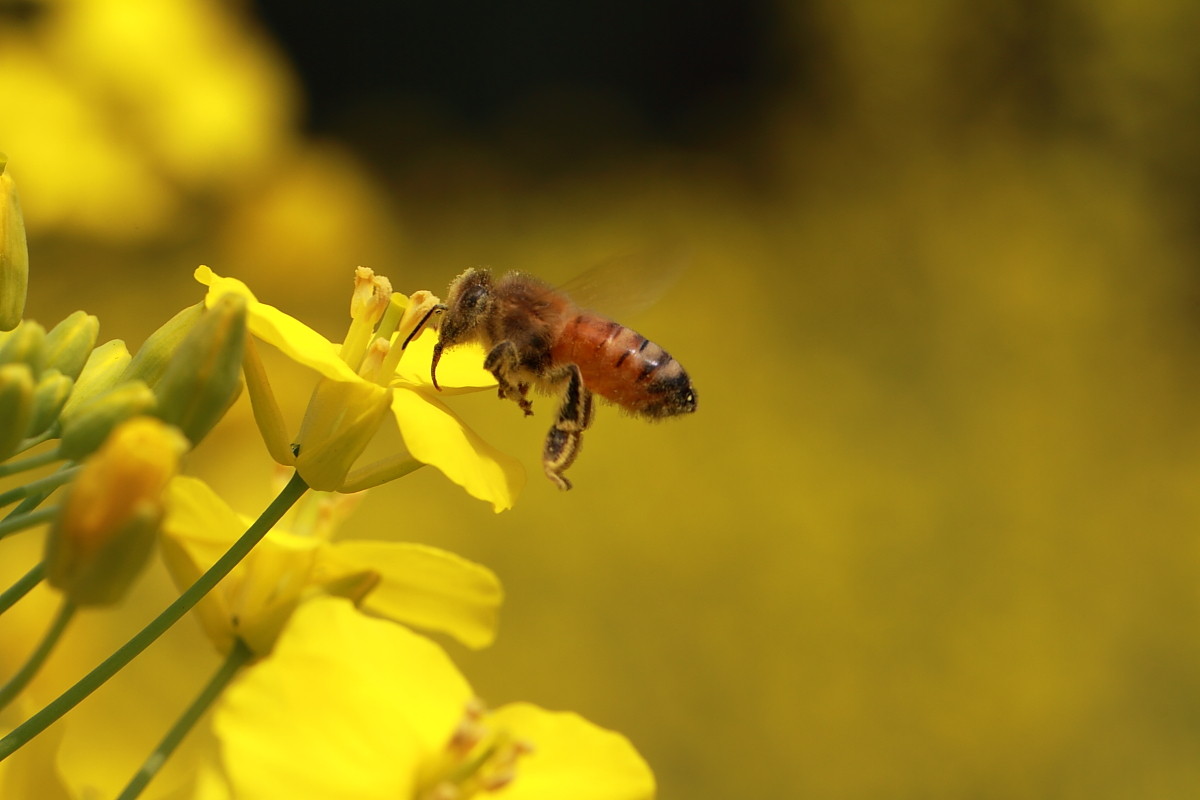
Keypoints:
pixel 34 771
pixel 124 107
pixel 410 583
pixel 101 539
pixel 369 379
pixel 349 706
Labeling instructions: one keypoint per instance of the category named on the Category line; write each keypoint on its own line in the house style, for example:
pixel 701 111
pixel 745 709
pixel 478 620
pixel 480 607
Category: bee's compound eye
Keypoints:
pixel 472 297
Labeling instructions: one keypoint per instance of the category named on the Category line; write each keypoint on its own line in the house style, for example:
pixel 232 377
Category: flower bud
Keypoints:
pixel 16 405
pixel 157 351
pixel 70 342
pixel 88 425
pixel 25 345
pixel 101 373
pixel 160 348
pixel 14 253
pixel 49 397
pixel 204 375
pixel 106 529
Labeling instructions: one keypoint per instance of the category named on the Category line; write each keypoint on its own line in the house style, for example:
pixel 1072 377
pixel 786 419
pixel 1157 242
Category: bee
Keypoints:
pixel 536 337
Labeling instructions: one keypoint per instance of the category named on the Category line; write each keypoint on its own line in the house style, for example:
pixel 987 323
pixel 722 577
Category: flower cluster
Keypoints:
pixel 328 684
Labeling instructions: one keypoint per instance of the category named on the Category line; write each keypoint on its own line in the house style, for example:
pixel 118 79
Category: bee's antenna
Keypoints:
pixel 440 307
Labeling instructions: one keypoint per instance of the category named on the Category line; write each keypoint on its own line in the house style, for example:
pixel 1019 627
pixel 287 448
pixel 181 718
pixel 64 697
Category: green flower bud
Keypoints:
pixel 112 512
pixel 49 397
pixel 101 372
pixel 70 342
pixel 156 352
pixel 205 373
pixel 14 253
pixel 16 405
pixel 25 345
pixel 89 424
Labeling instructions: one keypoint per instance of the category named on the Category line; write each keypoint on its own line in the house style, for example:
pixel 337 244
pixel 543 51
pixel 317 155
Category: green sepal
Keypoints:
pixel 70 342
pixel 341 420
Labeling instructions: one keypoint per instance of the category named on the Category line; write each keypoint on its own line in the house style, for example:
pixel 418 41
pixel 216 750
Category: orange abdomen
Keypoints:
pixel 622 366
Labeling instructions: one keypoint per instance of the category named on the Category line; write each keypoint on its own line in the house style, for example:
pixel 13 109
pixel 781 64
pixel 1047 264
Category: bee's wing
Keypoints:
pixel 623 286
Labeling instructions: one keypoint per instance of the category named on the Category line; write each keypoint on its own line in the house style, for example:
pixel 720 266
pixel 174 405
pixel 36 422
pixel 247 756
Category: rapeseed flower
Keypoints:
pixel 350 706
pixel 409 583
pixel 377 376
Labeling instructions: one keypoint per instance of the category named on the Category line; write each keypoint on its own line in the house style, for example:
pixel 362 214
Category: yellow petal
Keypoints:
pixel 434 435
pixel 460 370
pixel 572 758
pixel 346 706
pixel 425 587
pixel 295 339
pixel 197 531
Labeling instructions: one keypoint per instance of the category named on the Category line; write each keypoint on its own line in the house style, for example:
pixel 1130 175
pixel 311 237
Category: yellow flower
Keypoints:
pixel 349 706
pixel 374 376
pixel 410 583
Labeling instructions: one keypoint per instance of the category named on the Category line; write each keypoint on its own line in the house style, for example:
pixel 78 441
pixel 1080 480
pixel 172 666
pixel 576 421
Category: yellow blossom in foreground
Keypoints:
pixel 410 583
pixel 353 707
pixel 363 383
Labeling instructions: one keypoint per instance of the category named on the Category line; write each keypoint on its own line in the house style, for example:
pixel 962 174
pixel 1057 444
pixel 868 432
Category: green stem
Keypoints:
pixel 21 588
pixel 30 503
pixel 237 658
pixel 25 674
pixel 46 484
pixel 33 441
pixel 13 523
pixel 158 626
pixel 32 462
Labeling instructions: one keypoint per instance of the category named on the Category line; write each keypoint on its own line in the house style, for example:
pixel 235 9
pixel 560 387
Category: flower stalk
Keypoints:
pixel 40 487
pixel 24 584
pixel 31 666
pixel 19 522
pixel 238 657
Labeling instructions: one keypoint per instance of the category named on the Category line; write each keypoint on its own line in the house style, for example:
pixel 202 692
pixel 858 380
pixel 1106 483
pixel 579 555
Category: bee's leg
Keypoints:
pixel 563 441
pixel 503 363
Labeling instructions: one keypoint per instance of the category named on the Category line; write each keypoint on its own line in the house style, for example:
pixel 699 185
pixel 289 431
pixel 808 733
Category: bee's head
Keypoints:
pixel 468 302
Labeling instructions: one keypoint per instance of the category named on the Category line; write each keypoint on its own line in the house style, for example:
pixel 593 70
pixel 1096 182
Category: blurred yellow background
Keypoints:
pixel 931 533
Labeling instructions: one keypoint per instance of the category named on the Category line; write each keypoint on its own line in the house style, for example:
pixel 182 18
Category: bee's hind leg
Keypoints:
pixel 565 437
pixel 503 363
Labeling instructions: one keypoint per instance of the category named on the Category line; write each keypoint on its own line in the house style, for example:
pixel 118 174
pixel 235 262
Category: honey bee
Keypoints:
pixel 537 337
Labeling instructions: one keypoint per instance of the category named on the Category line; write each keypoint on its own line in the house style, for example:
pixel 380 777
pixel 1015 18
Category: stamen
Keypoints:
pixel 364 290
pixel 372 364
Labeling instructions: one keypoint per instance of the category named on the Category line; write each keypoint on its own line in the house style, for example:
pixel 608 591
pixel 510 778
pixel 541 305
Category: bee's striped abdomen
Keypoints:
pixel 624 367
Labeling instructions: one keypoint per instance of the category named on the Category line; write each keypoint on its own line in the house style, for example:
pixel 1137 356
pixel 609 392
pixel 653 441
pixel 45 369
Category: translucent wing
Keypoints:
pixel 626 285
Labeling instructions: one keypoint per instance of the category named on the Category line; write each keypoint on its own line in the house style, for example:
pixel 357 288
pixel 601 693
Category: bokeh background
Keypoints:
pixel 932 532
